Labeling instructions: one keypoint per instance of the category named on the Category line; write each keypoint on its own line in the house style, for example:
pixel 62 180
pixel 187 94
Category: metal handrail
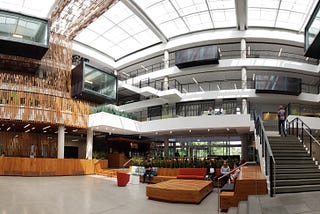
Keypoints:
pixel 246 163
pixel 267 153
pixel 304 129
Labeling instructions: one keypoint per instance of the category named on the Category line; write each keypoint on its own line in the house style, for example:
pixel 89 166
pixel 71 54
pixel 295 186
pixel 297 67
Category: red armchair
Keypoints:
pixel 122 179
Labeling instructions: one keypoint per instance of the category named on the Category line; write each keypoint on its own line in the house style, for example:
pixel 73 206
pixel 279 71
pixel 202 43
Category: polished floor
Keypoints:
pixel 86 194
pixel 101 195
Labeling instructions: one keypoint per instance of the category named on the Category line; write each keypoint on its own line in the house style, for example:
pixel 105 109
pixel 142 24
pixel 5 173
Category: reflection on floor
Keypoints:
pixel 101 195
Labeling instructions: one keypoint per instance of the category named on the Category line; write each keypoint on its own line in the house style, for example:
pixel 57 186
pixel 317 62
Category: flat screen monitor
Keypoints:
pixel 277 85
pixel 197 56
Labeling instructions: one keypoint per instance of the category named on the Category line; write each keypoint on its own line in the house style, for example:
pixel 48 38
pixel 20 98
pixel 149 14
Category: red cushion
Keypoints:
pixel 192 173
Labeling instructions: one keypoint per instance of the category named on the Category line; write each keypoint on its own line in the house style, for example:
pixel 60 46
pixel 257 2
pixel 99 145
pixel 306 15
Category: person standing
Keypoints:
pixel 281 120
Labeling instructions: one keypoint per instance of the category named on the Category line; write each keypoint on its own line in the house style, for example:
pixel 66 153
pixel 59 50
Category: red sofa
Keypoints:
pixel 122 179
pixel 192 173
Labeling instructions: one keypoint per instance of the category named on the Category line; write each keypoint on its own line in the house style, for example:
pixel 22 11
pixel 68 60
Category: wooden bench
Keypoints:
pixel 250 182
pixel 164 174
pixel 180 190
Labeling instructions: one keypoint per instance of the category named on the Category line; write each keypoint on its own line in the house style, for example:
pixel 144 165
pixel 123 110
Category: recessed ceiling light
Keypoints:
pixel 26 126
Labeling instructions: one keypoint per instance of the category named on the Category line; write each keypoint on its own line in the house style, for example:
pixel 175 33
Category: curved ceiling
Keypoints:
pixel 132 25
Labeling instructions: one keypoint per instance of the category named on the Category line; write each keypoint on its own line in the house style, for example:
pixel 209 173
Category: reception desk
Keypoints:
pixel 15 166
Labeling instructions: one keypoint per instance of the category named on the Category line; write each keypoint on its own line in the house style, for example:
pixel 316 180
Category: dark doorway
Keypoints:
pixel 70 152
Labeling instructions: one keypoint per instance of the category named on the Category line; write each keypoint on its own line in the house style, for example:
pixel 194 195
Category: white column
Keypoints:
pixel 61 141
pixel 243 49
pixel 244 75
pixel 89 144
pixel 166 59
pixel 166 62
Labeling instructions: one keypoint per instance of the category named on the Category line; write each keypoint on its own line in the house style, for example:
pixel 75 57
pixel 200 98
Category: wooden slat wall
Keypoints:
pixel 44 96
pixel 17 144
pixel 45 166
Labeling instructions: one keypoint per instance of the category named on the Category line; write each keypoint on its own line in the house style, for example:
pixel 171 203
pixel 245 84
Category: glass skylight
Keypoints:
pixel 176 17
pixel 287 14
pixel 35 8
pixel 118 32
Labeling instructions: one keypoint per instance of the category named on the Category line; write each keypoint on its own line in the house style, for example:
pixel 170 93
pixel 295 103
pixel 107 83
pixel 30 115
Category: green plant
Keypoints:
pixel 99 155
pixel 108 109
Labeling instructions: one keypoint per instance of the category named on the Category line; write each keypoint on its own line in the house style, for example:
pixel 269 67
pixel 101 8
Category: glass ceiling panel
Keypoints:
pixel 287 14
pixel 118 32
pixel 35 8
pixel 176 17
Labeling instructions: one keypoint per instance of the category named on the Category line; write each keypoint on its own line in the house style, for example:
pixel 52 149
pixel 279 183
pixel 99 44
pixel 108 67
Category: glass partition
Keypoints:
pixel 100 82
pixel 18 27
pixel 313 27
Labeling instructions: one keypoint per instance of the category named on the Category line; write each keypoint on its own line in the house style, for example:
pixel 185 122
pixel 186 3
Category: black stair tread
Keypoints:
pixel 308 170
pixel 295 166
pixel 301 188
pixel 298 182
pixel 295 176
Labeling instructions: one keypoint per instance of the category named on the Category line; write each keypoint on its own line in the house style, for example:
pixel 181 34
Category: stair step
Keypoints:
pixel 233 210
pixel 291 161
pixel 291 189
pixel 296 171
pixel 297 154
pixel 296 166
pixel 243 207
pixel 292 182
pixel 254 206
pixel 286 149
pixel 287 176
pixel 297 158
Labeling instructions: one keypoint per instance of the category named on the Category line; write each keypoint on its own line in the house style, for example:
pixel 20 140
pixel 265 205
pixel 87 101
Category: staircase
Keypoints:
pixel 295 169
pixel 252 206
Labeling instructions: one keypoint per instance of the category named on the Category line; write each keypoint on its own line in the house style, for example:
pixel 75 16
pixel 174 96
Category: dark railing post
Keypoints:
pixel 271 176
pixel 297 123
pixel 302 134
pixel 310 142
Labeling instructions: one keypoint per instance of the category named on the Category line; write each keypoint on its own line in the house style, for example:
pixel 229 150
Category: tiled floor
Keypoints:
pixel 293 203
pixel 101 195
pixel 86 194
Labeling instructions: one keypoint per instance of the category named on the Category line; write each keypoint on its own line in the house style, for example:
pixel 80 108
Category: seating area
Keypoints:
pixel 165 174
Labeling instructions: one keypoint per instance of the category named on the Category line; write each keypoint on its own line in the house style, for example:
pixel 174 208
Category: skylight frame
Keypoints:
pixel 122 34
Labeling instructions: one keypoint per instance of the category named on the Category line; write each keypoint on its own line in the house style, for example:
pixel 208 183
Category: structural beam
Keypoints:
pixel 242 14
pixel 143 16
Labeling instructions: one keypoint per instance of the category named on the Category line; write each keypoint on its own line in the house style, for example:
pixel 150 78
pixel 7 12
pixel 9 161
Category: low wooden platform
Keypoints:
pixel 180 191
pixel 251 181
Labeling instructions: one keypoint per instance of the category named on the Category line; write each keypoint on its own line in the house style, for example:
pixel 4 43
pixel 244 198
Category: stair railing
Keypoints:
pixel 267 154
pixel 219 179
pixel 300 129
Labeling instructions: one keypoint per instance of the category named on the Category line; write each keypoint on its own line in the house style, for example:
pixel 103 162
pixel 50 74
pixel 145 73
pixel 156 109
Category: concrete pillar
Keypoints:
pixel 244 76
pixel 165 83
pixel 89 144
pixel 166 61
pixel 244 147
pixel 243 48
pixel 61 141
pixel 166 148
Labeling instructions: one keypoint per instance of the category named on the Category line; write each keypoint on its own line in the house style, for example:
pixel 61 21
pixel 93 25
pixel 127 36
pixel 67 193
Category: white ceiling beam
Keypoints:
pixel 143 16
pixel 242 14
